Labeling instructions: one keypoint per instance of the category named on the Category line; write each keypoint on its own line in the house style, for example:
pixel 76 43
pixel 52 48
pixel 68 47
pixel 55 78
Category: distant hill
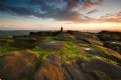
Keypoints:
pixel 15 32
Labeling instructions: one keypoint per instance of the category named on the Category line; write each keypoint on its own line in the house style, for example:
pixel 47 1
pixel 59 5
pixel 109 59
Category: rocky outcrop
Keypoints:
pixel 53 68
pixel 18 66
pixel 70 55
pixel 85 38
pixel 109 36
pixel 111 40
pixel 81 35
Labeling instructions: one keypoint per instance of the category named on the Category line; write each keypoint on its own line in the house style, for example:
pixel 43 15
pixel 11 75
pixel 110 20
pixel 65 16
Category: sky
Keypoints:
pixel 53 14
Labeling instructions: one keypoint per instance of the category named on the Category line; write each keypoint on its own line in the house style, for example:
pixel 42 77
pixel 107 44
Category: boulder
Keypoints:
pixel 24 42
pixel 50 68
pixel 17 65
pixel 109 36
pixel 52 45
pixel 65 37
pixel 115 45
pixel 80 35
pixel 113 71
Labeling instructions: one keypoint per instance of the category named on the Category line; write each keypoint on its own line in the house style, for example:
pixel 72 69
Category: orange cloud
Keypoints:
pixel 91 4
pixel 15 25
pixel 115 18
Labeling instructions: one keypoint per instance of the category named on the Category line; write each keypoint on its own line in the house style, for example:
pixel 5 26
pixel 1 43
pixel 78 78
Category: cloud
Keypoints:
pixel 65 10
pixel 18 10
pixel 90 4
pixel 115 18
pixel 92 11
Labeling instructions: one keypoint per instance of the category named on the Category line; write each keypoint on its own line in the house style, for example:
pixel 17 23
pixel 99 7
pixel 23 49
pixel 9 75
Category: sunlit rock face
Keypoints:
pixel 18 65
pixel 50 68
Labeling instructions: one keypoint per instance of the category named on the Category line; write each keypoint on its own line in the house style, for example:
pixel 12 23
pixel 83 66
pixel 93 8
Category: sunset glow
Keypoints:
pixel 72 15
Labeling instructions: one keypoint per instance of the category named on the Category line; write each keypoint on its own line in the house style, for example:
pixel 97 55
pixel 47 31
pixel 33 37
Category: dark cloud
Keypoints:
pixel 18 10
pixel 67 10
pixel 91 3
pixel 92 11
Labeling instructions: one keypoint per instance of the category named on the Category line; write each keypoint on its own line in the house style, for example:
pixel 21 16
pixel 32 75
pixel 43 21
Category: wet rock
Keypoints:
pixel 115 45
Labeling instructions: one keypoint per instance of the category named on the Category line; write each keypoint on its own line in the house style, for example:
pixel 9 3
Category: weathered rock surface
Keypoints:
pixel 70 55
pixel 24 42
pixel 65 37
pixel 113 71
pixel 17 65
pixel 93 41
pixel 109 36
pixel 50 69
pixel 52 45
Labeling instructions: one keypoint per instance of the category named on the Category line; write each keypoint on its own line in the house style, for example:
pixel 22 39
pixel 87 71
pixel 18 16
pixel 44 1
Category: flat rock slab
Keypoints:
pixel 52 45
pixel 80 42
pixel 65 37
pixel 113 71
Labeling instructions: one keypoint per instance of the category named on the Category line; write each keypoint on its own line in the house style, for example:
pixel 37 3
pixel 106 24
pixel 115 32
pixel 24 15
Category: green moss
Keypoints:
pixel 74 51
pixel 49 38
pixel 84 45
pixel 5 49
pixel 100 51
pixel 42 53
pixel 103 53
